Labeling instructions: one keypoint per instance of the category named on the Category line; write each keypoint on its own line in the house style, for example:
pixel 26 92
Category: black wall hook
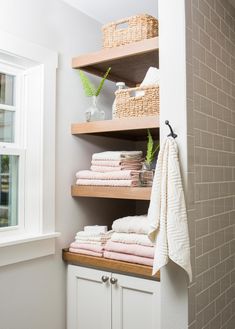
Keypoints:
pixel 172 134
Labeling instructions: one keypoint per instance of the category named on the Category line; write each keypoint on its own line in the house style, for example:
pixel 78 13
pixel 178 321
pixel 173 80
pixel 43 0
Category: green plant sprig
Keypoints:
pixel 151 149
pixel 88 86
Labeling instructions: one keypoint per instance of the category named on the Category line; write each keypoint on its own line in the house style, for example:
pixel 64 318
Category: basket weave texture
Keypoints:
pixel 138 28
pixel 146 104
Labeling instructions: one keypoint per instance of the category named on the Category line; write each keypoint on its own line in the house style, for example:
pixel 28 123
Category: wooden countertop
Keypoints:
pixel 110 265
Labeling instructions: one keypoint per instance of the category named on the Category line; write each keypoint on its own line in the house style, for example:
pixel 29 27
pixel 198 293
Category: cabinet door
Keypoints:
pixel 88 299
pixel 135 303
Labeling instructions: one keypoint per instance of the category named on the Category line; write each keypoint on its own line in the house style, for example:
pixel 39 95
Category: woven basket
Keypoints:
pixel 145 104
pixel 138 28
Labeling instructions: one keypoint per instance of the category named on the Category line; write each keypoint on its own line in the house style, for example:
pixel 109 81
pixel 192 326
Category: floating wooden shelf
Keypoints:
pixel 128 128
pixel 110 265
pixel 129 63
pixel 131 193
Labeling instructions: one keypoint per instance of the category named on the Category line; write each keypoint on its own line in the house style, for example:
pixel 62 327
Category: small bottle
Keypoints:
pixel 120 85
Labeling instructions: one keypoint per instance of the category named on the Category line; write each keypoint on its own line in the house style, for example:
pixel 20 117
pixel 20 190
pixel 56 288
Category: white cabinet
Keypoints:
pixel 104 300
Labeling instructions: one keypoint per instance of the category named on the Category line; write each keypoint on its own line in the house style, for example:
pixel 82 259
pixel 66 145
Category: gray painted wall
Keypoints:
pixel 32 294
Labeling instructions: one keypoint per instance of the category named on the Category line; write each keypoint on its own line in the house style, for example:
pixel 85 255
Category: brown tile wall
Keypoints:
pixel 210 39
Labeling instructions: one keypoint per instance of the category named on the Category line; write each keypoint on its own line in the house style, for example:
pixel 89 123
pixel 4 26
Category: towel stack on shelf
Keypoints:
pixel 112 168
pixel 130 242
pixel 91 241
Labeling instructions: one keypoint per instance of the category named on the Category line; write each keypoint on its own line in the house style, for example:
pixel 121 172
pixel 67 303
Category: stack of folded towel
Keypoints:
pixel 130 242
pixel 91 241
pixel 112 168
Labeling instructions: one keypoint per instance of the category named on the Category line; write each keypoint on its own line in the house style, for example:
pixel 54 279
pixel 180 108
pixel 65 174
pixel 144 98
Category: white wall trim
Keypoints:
pixel 41 64
pixel 28 248
pixel 172 61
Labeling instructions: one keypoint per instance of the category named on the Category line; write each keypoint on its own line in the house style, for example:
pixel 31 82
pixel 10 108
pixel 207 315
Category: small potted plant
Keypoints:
pixel 147 172
pixel 93 113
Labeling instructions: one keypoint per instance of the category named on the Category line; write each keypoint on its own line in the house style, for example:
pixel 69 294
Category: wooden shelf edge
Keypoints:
pixel 116 125
pixel 115 53
pixel 109 265
pixel 131 193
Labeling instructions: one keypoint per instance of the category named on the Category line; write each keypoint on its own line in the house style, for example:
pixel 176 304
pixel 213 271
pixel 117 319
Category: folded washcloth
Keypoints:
pixel 128 258
pixel 132 224
pixel 132 249
pixel 86 252
pixel 104 169
pixel 124 174
pixel 116 155
pixel 132 238
pixel 111 182
pixel 89 234
pixel 87 246
pixel 167 212
pixel 94 235
pixel 96 228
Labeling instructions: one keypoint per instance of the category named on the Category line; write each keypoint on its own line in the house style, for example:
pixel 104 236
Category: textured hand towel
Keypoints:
pixel 106 169
pixel 86 252
pixel 124 174
pixel 116 155
pixel 132 224
pixel 128 258
pixel 132 238
pixel 167 212
pixel 110 182
pixel 87 246
pixel 132 249
pixel 96 228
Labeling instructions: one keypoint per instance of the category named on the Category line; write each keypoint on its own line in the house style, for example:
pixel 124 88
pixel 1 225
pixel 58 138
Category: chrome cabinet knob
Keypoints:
pixel 104 278
pixel 113 280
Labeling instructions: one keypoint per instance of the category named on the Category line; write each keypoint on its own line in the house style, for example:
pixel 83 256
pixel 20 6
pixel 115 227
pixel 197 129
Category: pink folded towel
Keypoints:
pixel 124 174
pixel 110 182
pixel 87 246
pixel 132 249
pixel 128 258
pixel 109 168
pixel 86 252
pixel 116 163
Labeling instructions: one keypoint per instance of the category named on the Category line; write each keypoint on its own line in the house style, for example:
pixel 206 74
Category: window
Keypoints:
pixel 12 152
pixel 27 145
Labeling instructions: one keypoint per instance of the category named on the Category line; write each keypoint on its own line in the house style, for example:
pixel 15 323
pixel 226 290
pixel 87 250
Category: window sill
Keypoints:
pixel 26 247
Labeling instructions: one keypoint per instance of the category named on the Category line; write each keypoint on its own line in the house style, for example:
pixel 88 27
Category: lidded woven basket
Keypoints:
pixel 146 103
pixel 138 27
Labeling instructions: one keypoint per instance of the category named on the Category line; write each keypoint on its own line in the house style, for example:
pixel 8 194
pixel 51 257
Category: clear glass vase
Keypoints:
pixel 93 113
pixel 146 175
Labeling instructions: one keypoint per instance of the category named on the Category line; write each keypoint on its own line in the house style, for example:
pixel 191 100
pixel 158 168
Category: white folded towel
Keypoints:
pixel 167 212
pixel 132 224
pixel 131 238
pixel 152 77
pixel 96 228
pixel 116 155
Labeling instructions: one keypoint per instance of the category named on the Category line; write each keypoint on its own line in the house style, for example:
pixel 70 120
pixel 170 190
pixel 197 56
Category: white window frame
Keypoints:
pixel 35 235
pixel 16 148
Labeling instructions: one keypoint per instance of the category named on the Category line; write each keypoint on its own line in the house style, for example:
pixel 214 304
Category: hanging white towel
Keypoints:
pixel 167 212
